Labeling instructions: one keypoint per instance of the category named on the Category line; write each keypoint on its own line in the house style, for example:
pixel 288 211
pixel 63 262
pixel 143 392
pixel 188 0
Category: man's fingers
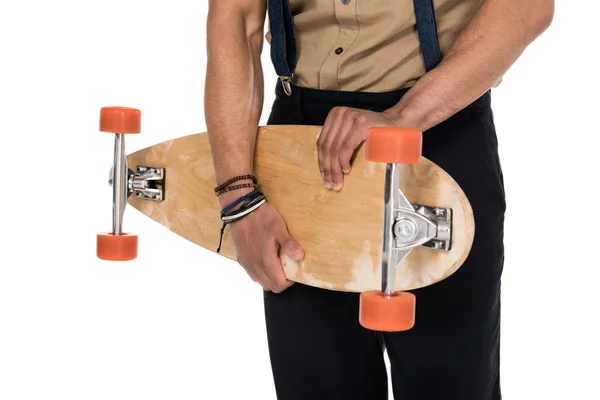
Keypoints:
pixel 326 141
pixel 258 248
pixel 281 284
pixel 325 152
pixel 323 136
pixel 270 273
pixel 278 282
pixel 255 271
pixel 347 150
pixel 287 243
pixel 339 150
pixel 344 159
pixel 259 276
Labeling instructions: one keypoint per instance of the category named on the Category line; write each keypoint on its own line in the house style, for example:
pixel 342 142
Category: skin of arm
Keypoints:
pixel 234 88
pixel 233 103
pixel 482 53
pixel 484 50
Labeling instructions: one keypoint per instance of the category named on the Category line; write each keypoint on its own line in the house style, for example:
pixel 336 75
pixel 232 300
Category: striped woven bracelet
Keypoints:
pixel 247 204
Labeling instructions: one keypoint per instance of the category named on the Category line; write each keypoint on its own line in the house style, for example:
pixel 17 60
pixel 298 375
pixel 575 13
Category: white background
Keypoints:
pixel 181 323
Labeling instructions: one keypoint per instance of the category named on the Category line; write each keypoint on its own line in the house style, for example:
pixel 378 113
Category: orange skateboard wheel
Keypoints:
pixel 120 120
pixel 394 145
pixel 111 247
pixel 394 313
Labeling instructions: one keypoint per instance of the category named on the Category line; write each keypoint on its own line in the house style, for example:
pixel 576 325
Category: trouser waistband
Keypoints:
pixel 303 96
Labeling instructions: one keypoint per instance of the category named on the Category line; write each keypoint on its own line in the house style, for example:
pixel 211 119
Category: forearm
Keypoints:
pixel 234 86
pixel 486 48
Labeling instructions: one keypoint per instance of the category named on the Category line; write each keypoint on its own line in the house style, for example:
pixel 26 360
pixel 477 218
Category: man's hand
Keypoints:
pixel 343 131
pixel 258 238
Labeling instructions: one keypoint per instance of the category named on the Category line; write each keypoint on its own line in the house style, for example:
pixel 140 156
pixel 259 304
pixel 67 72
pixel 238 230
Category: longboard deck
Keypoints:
pixel 341 232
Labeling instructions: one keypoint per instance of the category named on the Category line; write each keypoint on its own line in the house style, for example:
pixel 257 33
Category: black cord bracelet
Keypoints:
pixel 248 204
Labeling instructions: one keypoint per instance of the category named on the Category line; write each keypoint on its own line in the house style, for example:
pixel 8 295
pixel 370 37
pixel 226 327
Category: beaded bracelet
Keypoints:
pixel 235 179
pixel 236 187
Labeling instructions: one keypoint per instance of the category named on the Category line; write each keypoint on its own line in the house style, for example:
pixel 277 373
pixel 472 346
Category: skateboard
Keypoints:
pixel 399 223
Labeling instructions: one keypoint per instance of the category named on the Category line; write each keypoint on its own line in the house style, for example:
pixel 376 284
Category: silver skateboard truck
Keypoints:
pixel 405 227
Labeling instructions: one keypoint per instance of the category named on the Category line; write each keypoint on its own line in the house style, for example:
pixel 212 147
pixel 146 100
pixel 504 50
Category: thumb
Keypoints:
pixel 290 246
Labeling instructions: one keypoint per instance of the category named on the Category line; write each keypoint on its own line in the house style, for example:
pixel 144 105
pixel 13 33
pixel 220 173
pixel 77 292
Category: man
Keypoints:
pixel 365 63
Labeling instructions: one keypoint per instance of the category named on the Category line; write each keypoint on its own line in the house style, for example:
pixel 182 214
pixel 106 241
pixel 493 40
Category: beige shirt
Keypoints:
pixel 367 45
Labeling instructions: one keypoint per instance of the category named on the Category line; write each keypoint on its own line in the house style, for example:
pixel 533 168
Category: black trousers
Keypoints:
pixel 317 347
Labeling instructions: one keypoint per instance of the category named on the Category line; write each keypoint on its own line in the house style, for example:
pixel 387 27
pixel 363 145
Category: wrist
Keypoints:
pixel 426 104
pixel 227 198
pixel 403 117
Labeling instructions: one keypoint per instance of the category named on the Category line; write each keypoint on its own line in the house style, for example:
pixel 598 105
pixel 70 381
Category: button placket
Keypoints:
pixel 345 14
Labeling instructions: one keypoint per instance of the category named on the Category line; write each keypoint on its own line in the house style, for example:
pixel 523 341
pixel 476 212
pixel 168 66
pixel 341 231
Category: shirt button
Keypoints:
pixel 339 50
pixel 345 2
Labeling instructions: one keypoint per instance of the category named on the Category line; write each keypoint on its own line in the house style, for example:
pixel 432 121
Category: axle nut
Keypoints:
pixel 405 229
